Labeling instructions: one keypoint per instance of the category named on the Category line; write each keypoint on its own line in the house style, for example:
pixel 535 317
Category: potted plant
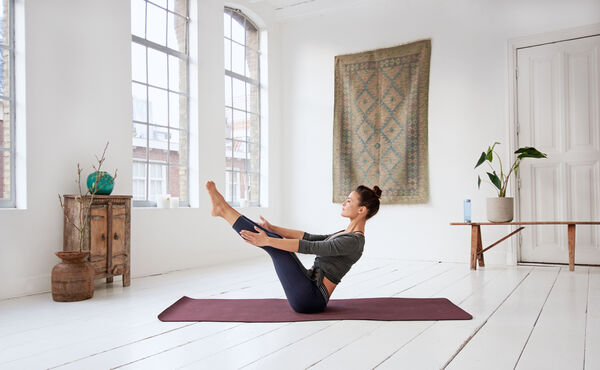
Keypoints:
pixel 73 278
pixel 500 209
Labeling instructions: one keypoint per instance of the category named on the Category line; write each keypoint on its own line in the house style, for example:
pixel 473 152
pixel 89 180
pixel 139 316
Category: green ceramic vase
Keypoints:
pixel 105 184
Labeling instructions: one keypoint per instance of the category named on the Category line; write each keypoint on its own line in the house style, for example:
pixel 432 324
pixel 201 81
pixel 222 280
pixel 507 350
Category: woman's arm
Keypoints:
pixel 261 239
pixel 287 233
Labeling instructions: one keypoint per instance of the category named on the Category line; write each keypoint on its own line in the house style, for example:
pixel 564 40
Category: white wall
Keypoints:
pixel 76 59
pixel 468 110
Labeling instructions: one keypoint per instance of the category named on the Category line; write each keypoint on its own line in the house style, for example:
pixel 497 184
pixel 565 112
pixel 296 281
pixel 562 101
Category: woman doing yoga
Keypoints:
pixel 307 291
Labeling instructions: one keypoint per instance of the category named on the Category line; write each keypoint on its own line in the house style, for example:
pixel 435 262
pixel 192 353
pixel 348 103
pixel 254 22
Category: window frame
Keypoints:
pixel 12 201
pixel 258 84
pixel 147 44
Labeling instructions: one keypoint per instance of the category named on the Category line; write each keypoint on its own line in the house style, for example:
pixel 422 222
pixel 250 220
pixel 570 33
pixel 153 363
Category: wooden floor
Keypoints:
pixel 524 317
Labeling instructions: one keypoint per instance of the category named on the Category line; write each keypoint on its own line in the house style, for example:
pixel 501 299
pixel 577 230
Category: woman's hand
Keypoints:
pixel 260 238
pixel 265 224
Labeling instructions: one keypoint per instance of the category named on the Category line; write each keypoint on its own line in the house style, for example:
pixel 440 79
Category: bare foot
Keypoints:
pixel 216 198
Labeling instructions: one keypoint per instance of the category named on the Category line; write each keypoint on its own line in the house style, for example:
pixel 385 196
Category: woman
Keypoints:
pixel 307 291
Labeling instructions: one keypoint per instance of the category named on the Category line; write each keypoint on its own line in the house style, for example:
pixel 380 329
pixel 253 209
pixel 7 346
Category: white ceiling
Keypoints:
pixel 285 9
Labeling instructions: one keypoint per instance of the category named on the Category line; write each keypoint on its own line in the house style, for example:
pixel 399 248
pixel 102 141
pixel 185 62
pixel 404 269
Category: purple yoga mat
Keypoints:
pixel 278 310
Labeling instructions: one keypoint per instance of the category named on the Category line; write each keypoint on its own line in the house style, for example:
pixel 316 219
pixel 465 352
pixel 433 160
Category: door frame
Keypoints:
pixel 513 255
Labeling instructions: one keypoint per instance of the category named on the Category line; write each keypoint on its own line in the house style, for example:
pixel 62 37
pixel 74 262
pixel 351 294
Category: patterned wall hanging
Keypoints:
pixel 380 123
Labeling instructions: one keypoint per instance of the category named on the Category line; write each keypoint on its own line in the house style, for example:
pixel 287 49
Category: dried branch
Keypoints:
pixel 82 198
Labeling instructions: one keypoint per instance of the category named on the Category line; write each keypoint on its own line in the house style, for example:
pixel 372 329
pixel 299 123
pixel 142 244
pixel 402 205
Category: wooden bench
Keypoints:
pixel 477 250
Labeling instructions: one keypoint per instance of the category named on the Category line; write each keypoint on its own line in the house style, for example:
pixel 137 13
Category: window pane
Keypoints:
pixel 228 123
pixel 252 64
pixel 157 25
pixel 4 175
pixel 235 184
pixel 4 124
pixel 251 36
pixel 139 189
pixel 252 98
pixel 177 74
pixel 176 32
pixel 158 143
pixel 227 23
pixel 138 18
pixel 254 188
pixel 139 169
pixel 228 91
pixel 239 94
pixel 227 55
pixel 157 68
pixel 139 102
pixel 239 150
pixel 228 148
pixel 239 125
pixel 157 105
pixel 139 141
pixel 161 3
pixel 178 144
pixel 238 58
pixel 138 62
pixel 156 172
pixel 178 183
pixel 178 110
pixel 244 188
pixel 237 28
pixel 178 6
pixel 253 128
pixel 239 164
pixel 254 157
pixel 5 76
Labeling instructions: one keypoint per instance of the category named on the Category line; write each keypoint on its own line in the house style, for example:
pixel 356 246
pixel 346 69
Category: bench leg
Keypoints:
pixel 479 248
pixel 571 229
pixel 475 246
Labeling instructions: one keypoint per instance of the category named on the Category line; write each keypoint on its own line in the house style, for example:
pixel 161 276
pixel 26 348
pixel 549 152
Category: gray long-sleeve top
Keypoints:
pixel 335 256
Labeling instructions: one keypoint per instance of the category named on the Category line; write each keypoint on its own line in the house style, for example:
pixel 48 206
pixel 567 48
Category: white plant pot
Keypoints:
pixel 500 209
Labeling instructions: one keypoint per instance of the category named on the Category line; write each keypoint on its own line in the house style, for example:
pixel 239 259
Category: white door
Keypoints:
pixel 558 105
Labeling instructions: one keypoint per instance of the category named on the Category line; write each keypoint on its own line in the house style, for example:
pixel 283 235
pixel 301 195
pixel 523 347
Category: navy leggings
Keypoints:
pixel 304 294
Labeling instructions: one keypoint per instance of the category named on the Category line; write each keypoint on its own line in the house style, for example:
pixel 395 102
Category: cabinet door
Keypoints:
pixel 98 237
pixel 119 251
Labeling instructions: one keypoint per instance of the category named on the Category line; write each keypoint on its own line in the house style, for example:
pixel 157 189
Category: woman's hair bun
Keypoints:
pixel 377 191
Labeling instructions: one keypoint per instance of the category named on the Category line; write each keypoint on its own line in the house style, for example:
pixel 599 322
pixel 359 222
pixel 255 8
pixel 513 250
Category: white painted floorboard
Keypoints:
pixel 524 317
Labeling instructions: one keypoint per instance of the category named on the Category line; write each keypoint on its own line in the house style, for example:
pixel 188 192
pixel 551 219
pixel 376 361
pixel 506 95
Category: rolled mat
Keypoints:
pixel 279 310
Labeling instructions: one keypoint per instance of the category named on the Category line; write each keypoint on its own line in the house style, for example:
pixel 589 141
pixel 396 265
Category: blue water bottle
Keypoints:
pixel 467 208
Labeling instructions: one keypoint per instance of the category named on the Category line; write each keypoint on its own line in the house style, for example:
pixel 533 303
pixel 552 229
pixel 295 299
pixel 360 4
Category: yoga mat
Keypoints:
pixel 279 310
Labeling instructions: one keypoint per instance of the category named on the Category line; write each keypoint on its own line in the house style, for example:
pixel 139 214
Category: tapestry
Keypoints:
pixel 380 123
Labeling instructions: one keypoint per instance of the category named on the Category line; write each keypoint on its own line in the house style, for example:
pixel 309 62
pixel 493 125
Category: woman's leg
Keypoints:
pixel 220 208
pixel 302 294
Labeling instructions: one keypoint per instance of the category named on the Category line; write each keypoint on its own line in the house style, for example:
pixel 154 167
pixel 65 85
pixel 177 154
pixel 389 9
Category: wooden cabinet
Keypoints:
pixel 107 236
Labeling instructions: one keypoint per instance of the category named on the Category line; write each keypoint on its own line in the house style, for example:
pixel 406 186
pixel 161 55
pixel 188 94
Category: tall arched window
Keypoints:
pixel 7 105
pixel 242 109
pixel 160 54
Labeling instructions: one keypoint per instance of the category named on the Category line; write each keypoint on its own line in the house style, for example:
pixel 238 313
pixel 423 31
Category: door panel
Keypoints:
pixel 119 215
pixel 98 236
pixel 558 98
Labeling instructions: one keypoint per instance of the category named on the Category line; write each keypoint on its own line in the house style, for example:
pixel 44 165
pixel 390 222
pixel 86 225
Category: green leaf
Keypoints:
pixel 495 180
pixel 529 152
pixel 478 182
pixel 490 155
pixel 517 168
pixel 481 160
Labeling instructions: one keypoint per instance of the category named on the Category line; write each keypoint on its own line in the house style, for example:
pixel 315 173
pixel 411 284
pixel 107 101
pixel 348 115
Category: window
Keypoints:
pixel 160 100
pixel 242 109
pixel 7 105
